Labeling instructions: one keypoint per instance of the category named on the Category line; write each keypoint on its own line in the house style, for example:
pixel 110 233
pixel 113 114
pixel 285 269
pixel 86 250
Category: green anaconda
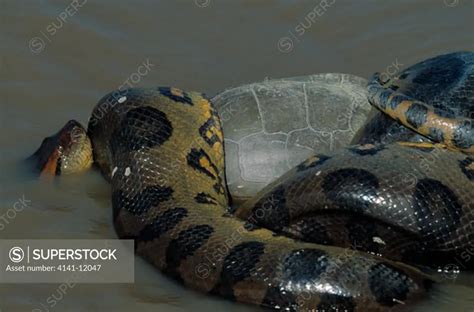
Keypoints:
pixel 392 203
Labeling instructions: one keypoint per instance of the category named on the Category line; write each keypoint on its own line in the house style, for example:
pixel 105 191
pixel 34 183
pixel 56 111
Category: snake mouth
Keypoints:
pixel 60 152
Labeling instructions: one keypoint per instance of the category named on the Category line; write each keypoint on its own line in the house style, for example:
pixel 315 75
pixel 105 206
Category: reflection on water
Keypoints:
pixel 58 60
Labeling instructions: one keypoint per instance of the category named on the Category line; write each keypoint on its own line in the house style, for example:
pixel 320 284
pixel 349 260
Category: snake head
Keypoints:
pixel 68 151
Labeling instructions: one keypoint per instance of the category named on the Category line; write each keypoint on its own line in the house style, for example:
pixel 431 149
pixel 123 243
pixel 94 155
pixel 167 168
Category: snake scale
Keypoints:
pixel 395 205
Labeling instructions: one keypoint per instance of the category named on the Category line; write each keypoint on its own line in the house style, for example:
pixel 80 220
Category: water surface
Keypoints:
pixel 55 66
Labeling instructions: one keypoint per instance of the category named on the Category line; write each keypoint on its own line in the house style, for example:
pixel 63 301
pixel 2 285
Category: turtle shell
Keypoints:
pixel 271 126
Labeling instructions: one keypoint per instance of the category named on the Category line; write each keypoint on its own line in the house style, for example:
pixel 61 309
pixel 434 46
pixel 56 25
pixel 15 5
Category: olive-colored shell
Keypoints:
pixel 272 126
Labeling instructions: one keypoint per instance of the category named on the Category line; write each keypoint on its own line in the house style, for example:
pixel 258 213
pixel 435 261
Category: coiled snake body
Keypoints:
pixel 162 151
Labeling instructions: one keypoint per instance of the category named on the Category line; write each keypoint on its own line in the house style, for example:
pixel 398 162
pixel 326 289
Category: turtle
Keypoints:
pixel 271 126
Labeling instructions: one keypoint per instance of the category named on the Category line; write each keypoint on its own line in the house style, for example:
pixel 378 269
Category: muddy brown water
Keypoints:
pixel 59 57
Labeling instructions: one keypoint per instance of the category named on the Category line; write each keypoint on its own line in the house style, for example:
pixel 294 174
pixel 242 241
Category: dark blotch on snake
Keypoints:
pixel 185 99
pixel 139 204
pixel 435 201
pixel 383 98
pixel 271 210
pixel 304 266
pixel 332 302
pixel 194 158
pixel 204 198
pixel 283 301
pixel 396 100
pixel 238 265
pixel 436 134
pixel 219 187
pixel 311 230
pixel 207 128
pixel 463 135
pixel 351 188
pixel 162 224
pixel 443 74
pixel 467 167
pixel 394 88
pixel 388 284
pixel 251 227
pixel 141 127
pixel 361 230
pixel 299 268
pixel 184 245
pixel 416 115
